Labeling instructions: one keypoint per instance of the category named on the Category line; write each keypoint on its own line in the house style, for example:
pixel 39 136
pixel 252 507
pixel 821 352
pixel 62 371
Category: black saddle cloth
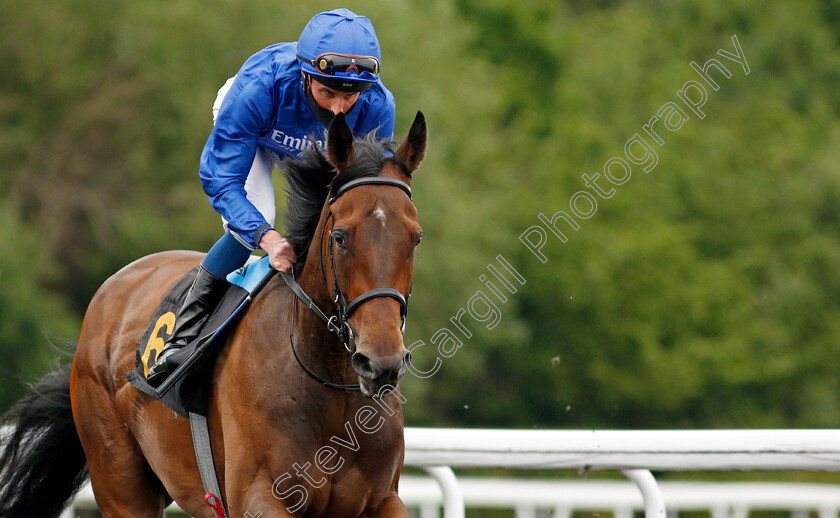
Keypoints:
pixel 189 392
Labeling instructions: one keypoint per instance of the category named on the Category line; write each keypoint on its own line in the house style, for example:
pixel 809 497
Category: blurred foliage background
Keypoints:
pixel 703 294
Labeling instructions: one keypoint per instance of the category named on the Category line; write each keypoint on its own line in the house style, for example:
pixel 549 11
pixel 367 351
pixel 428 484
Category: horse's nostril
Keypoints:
pixel 362 366
pixel 407 358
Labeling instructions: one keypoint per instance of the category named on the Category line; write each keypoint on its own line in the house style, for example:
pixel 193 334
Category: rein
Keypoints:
pixel 338 323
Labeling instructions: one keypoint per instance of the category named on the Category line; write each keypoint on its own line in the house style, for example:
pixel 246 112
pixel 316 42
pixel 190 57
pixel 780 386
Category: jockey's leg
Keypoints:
pixel 203 296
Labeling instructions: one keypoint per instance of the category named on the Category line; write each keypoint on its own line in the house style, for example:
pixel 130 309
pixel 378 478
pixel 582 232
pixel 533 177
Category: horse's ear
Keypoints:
pixel 413 149
pixel 340 150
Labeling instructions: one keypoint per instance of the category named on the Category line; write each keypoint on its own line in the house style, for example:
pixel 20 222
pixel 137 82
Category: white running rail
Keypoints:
pixel 533 497
pixel 634 453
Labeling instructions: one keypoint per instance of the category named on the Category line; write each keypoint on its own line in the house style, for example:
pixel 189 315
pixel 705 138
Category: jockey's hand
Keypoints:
pixel 281 255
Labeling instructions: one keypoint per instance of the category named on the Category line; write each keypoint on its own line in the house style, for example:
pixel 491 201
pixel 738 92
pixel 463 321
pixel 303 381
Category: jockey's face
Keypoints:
pixel 335 101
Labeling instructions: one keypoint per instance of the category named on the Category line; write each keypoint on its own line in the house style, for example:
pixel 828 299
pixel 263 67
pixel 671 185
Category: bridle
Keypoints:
pixel 338 323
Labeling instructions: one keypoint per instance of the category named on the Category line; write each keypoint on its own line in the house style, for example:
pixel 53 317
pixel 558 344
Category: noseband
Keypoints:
pixel 344 310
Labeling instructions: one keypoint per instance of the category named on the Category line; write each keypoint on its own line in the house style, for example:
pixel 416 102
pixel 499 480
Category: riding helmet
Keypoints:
pixel 340 49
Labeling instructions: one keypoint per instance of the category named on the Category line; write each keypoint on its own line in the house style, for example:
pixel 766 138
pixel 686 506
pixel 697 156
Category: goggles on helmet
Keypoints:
pixel 331 64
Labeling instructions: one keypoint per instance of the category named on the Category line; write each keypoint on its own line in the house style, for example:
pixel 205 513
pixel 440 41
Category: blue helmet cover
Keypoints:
pixel 339 31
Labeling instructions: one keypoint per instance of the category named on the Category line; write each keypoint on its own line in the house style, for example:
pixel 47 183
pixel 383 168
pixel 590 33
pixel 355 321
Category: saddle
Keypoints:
pixel 185 390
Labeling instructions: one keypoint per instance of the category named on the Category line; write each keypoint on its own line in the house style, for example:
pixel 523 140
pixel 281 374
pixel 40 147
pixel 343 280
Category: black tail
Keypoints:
pixel 42 464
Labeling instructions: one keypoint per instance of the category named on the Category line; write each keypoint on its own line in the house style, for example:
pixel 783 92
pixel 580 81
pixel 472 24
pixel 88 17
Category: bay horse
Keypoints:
pixel 284 443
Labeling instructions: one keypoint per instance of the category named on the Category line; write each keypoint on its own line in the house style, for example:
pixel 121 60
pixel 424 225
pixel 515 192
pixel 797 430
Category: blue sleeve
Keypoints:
pixel 229 154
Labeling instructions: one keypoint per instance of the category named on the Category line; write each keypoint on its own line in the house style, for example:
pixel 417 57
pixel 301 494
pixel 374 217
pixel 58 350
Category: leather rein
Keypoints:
pixel 338 323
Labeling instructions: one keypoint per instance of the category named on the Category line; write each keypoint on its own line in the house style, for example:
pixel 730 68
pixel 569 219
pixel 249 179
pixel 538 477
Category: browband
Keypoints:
pixel 371 180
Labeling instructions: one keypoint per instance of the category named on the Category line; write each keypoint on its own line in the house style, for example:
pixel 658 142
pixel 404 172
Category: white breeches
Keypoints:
pixel 258 187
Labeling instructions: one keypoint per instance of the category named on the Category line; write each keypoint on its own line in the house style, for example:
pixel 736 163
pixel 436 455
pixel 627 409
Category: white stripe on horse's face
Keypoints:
pixel 380 215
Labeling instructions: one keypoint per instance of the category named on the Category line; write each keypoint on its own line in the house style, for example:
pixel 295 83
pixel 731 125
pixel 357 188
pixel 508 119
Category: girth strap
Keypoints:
pixel 206 467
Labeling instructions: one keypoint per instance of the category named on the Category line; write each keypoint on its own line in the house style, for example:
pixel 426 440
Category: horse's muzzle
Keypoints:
pixel 380 375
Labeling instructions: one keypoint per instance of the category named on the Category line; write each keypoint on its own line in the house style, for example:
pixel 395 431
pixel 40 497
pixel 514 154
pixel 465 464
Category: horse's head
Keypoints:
pixel 367 248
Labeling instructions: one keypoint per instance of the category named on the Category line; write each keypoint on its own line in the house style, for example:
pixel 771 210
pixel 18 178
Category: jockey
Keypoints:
pixel 282 98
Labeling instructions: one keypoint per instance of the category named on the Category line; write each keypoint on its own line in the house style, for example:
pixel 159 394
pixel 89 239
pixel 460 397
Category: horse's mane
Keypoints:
pixel 312 178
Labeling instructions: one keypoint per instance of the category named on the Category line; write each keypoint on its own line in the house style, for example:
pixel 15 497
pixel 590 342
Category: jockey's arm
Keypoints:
pixel 228 156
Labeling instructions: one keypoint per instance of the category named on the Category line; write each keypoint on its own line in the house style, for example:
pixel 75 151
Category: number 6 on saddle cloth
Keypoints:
pixel 189 391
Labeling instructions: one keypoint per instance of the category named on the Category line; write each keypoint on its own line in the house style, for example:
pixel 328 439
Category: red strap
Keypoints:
pixel 215 504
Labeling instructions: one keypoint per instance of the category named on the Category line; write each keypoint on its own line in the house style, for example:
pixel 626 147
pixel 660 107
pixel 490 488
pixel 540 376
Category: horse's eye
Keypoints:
pixel 339 239
pixel 419 238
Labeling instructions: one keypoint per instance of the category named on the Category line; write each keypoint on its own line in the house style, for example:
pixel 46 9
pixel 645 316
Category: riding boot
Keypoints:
pixel 200 301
